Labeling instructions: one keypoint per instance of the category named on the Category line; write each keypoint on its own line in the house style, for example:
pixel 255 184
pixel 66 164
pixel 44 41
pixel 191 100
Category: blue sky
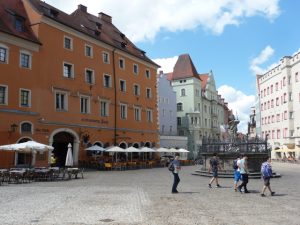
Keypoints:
pixel 234 39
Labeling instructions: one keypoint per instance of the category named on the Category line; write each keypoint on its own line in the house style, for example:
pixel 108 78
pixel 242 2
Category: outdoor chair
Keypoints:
pixel 108 166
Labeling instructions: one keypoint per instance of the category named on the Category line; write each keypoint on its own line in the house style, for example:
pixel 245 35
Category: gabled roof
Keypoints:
pixel 10 10
pixel 204 77
pixel 100 28
pixel 184 68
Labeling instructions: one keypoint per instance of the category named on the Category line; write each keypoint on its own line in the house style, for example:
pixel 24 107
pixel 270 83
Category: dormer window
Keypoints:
pixel 19 24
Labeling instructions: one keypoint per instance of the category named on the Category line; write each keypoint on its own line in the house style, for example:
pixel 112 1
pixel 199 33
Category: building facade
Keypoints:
pixel 168 115
pixel 72 78
pixel 200 110
pixel 279 95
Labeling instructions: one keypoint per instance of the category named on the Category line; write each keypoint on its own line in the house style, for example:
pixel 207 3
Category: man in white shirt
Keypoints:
pixel 243 168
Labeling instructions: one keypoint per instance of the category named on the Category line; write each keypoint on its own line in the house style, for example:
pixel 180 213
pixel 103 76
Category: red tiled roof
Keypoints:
pixel 9 11
pixel 184 68
pixel 204 77
pixel 169 76
pixel 99 28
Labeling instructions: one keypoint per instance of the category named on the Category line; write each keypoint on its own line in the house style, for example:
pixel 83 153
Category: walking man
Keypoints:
pixel 266 172
pixel 177 167
pixel 243 168
pixel 214 166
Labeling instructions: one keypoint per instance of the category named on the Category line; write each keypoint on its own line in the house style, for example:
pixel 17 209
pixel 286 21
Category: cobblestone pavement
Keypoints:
pixel 142 197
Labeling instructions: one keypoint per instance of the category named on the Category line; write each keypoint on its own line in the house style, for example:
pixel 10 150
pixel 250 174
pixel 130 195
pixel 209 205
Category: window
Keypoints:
pixel 285 132
pixel 163 112
pixel 284 98
pixel 271 88
pixel 276 86
pixel 123 85
pixel 19 24
pixel 89 76
pixel 88 51
pixel 104 108
pixel 122 63
pixel 147 73
pixel 105 57
pixel 179 106
pixel 135 69
pixel 25 59
pixel 272 103
pixel 163 129
pixel 3 95
pixel 68 43
pixel 149 115
pixel 277 101
pixel 123 111
pixel 284 81
pixel 68 70
pixel 285 115
pixel 290 96
pixel 61 101
pixel 268 90
pixel 84 104
pixel 278 117
pixel 296 77
pixel 291 115
pixel 179 121
pixel 148 93
pixel 137 113
pixel 197 93
pixel 3 54
pixel 106 81
pixel 26 127
pixel 182 92
pixel 25 97
pixel 136 89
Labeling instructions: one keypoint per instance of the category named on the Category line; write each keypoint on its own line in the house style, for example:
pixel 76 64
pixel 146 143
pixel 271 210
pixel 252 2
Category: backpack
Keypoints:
pixel 171 167
pixel 266 170
pixel 235 166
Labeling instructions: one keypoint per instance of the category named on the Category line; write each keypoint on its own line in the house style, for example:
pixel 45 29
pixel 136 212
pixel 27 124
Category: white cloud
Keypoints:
pixel 257 62
pixel 141 20
pixel 166 64
pixel 239 103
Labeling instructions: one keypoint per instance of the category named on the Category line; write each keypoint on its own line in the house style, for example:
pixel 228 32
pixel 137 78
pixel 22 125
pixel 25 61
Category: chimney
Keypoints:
pixel 105 17
pixel 82 8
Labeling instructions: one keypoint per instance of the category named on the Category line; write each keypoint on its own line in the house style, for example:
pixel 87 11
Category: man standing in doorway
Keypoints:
pixel 177 167
pixel 243 168
pixel 214 166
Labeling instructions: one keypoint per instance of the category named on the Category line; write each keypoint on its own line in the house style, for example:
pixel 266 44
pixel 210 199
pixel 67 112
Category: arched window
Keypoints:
pixel 179 106
pixel 182 92
pixel 26 127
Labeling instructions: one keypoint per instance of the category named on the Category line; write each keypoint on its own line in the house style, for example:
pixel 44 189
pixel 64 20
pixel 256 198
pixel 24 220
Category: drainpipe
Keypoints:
pixel 115 92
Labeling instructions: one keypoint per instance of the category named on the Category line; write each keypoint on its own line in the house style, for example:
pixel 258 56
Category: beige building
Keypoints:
pixel 279 97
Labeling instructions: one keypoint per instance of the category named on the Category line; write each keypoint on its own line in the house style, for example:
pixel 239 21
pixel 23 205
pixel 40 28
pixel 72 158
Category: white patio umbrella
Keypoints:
pixel 173 150
pixel 131 150
pixel 115 149
pixel 29 146
pixel 95 148
pixel 161 149
pixel 145 150
pixel 69 157
pixel 183 150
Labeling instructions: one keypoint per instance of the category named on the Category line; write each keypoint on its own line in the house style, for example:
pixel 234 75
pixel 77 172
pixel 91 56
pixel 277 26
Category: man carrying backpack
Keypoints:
pixel 266 172
pixel 177 167
pixel 214 166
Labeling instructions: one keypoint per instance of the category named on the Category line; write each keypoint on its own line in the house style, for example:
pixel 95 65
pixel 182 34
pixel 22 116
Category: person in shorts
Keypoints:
pixel 237 174
pixel 214 167
pixel 266 172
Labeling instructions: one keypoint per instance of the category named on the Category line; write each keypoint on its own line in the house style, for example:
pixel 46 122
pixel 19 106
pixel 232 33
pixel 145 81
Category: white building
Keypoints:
pixel 200 110
pixel 279 97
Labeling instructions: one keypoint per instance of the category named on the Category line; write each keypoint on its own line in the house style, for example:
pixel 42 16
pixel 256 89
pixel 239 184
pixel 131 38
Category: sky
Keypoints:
pixel 234 39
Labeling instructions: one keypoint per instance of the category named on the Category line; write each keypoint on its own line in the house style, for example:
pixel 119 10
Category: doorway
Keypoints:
pixel 60 144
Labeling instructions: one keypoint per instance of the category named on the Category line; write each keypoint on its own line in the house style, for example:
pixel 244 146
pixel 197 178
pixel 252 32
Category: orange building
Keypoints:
pixel 71 78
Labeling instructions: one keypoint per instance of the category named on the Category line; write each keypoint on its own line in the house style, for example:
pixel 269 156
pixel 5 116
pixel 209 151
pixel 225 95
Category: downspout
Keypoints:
pixel 115 92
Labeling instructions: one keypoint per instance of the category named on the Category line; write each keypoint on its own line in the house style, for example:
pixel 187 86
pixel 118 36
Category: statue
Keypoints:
pixel 232 129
